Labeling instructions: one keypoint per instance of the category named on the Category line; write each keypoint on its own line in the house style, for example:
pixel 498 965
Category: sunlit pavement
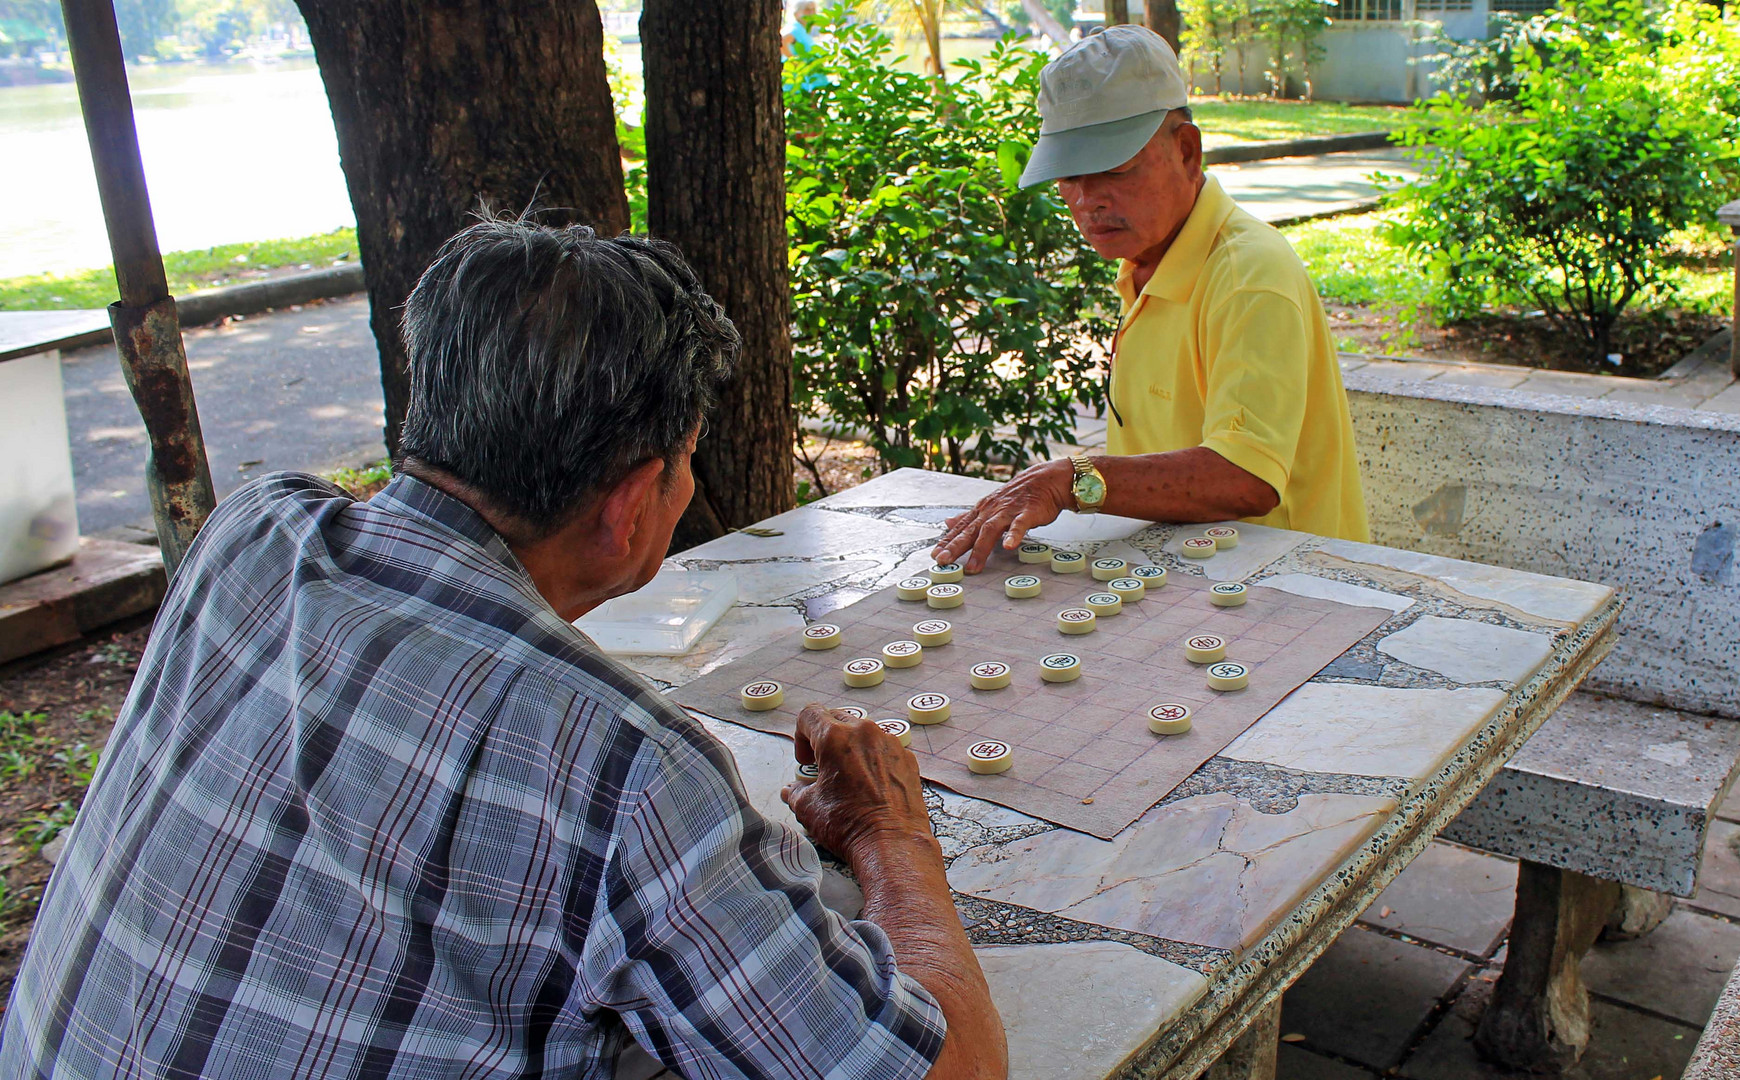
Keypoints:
pixel 1288 189
pixel 283 390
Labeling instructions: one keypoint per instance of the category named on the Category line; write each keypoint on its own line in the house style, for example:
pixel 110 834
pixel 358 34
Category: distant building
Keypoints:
pixel 1373 50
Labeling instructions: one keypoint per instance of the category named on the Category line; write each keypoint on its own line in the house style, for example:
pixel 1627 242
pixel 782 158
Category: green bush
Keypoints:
pixel 936 307
pixel 1564 198
pixel 1484 69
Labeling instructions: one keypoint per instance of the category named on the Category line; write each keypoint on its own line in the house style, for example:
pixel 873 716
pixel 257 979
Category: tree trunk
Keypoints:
pixel 1117 12
pixel 1163 20
pixel 1048 25
pixel 446 102
pixel 715 137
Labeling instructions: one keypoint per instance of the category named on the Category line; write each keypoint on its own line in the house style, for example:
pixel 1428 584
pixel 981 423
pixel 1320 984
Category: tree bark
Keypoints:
pixel 1048 25
pixel 444 103
pixel 1117 12
pixel 715 135
pixel 1163 19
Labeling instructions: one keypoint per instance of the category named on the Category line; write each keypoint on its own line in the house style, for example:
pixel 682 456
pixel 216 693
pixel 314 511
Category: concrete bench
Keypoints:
pixel 38 505
pixel 75 585
pixel 1607 809
pixel 1717 1055
pixel 1608 805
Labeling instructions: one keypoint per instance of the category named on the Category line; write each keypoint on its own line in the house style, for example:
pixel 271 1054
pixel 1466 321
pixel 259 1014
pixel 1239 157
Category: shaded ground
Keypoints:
pixel 59 703
pixel 294 389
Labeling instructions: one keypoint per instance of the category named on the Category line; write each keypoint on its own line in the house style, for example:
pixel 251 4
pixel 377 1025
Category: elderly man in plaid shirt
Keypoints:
pixel 374 808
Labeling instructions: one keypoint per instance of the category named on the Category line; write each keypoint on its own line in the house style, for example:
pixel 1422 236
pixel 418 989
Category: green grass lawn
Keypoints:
pixel 1352 263
pixel 1239 120
pixel 188 271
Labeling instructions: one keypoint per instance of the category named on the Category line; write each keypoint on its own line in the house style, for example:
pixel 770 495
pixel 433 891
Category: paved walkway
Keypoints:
pixel 1398 994
pixel 286 390
pixel 1288 189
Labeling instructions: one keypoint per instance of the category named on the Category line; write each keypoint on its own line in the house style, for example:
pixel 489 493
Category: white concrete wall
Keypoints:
pixel 1362 61
pixel 1640 497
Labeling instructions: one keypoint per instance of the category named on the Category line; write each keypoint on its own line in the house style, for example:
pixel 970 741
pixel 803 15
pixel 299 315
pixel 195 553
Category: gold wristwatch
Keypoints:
pixel 1089 487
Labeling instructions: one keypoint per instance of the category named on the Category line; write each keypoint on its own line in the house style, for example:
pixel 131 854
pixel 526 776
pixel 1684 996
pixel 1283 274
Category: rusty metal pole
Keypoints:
pixel 147 330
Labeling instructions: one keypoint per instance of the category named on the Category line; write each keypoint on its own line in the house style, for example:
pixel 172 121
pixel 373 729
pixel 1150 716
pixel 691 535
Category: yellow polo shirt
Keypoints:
pixel 1228 348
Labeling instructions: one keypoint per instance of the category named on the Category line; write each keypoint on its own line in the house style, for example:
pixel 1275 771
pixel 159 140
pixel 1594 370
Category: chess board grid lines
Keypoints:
pixel 1075 739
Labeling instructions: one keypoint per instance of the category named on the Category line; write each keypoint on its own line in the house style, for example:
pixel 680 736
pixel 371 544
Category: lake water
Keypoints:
pixel 232 153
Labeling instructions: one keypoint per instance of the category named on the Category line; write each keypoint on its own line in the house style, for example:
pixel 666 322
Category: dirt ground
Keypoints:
pixel 56 709
pixel 1647 344
pixel 838 464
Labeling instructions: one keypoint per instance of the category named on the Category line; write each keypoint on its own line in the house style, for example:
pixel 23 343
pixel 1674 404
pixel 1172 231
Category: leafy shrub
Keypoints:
pixel 79 763
pixel 1565 198
pixel 16 764
pixel 1484 69
pixel 935 306
pixel 364 482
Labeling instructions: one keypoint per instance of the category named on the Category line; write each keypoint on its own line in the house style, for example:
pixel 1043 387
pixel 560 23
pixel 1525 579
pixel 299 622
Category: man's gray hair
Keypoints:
pixel 548 362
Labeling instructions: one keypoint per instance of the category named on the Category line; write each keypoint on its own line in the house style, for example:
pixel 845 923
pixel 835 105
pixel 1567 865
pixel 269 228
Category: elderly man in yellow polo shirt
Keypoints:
pixel 1225 395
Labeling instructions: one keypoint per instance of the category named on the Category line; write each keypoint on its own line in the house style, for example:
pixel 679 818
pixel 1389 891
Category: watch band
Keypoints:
pixel 1084 468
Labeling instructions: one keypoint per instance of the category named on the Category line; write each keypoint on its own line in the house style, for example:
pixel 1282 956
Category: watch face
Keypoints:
pixel 1090 490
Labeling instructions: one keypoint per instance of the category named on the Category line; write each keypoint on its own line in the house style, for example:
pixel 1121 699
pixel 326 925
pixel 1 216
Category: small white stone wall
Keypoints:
pixel 1360 61
pixel 1644 498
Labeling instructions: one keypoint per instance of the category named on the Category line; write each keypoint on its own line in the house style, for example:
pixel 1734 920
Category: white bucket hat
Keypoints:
pixel 1102 100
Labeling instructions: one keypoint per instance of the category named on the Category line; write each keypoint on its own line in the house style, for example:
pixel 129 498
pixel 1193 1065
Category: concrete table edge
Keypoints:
pixel 1193 1042
pixel 1193 1038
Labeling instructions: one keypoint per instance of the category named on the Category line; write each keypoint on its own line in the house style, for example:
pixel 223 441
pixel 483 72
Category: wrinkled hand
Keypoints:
pixel 1032 499
pixel 868 787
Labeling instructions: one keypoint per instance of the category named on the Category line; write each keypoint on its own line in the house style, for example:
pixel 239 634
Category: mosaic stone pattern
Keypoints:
pixel 1192 910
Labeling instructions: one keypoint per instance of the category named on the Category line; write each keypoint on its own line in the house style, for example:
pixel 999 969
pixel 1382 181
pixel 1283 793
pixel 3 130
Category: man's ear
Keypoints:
pixel 626 505
pixel 1190 146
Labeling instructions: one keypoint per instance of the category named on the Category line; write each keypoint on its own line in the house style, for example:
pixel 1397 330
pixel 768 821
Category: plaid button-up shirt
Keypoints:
pixel 373 809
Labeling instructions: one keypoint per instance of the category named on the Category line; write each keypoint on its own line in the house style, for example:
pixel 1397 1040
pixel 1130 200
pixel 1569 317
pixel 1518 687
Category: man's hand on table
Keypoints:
pixel 867 805
pixel 868 790
pixel 1033 498
pixel 1191 485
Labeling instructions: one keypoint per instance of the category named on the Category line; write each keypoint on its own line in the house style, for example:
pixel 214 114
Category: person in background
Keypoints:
pixel 798 39
pixel 1225 392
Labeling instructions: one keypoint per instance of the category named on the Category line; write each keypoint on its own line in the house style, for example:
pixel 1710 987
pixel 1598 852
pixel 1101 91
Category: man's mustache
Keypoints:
pixel 1102 221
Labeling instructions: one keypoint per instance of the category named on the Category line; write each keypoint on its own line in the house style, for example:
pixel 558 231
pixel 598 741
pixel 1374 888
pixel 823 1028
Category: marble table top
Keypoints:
pixel 1146 955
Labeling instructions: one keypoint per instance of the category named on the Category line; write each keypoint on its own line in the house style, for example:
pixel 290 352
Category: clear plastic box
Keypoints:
pixel 39 524
pixel 664 618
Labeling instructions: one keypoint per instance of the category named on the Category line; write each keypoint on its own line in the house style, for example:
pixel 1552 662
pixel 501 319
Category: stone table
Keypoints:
pixel 1150 954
